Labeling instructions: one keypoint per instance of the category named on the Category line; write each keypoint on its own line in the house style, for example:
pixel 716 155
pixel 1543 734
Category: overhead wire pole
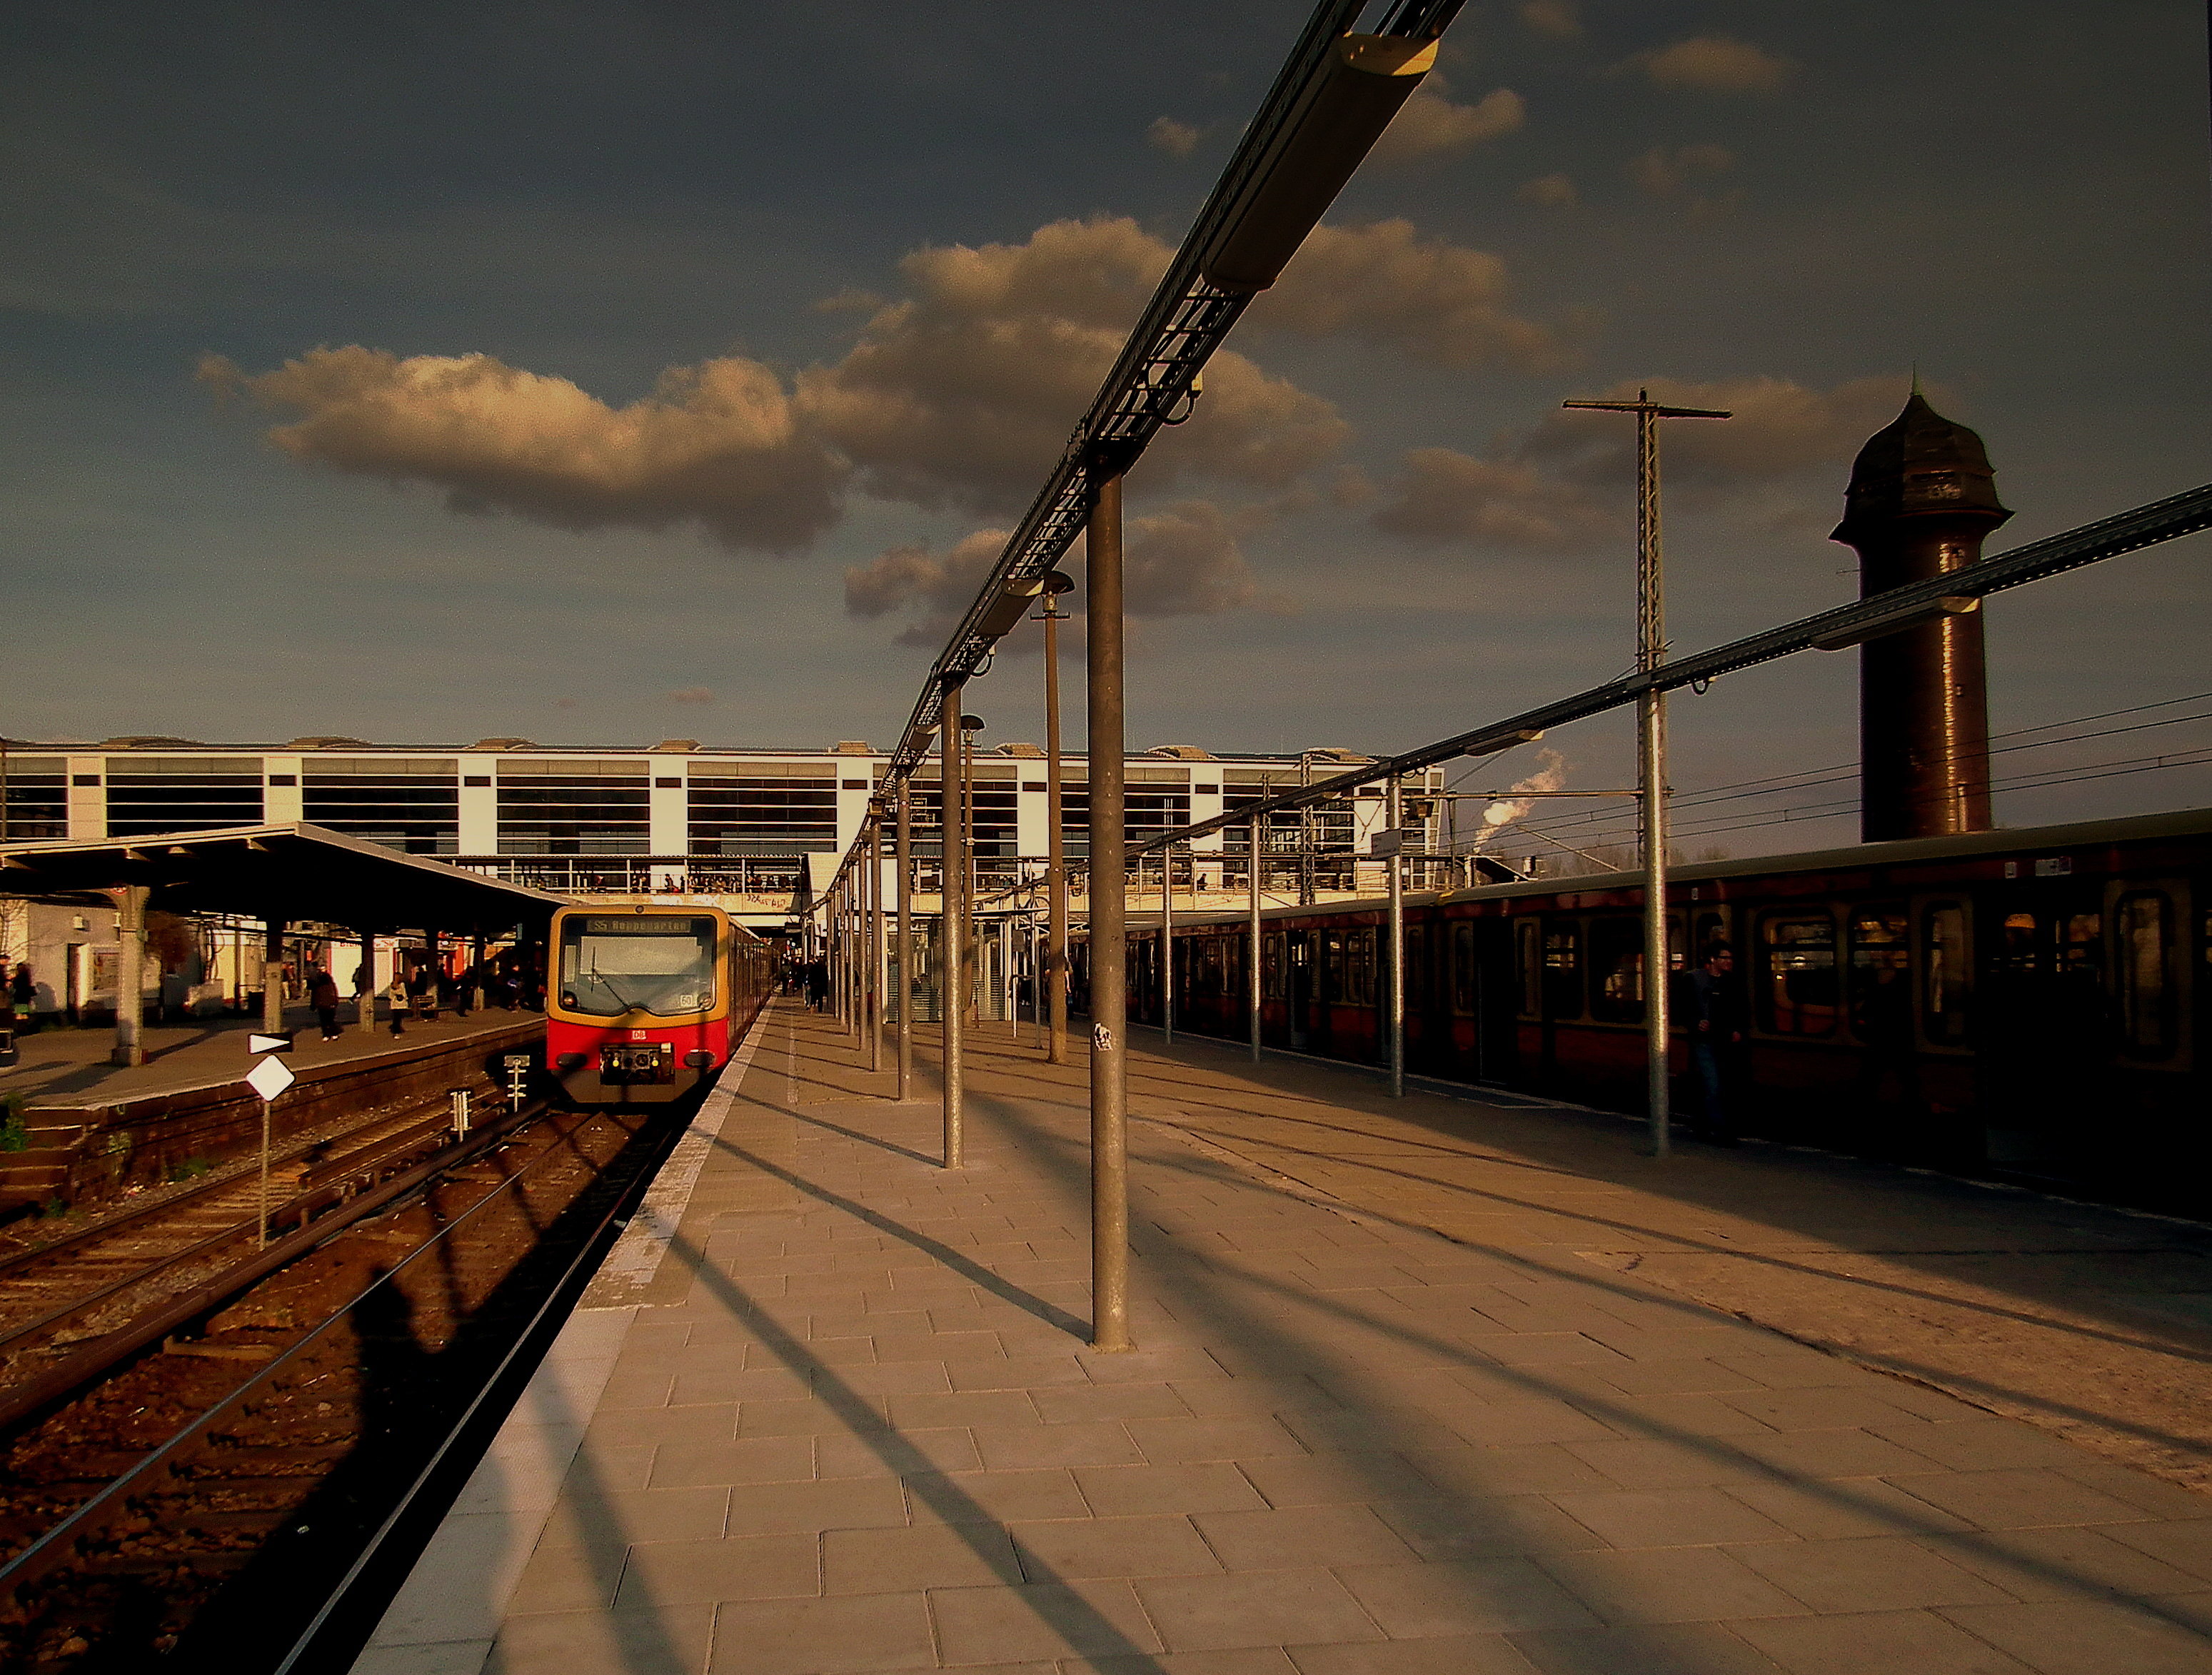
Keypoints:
pixel 1651 745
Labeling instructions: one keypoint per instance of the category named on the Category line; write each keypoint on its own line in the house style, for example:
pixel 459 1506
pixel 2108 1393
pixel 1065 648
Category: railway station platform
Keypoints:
pixel 1421 1386
pixel 62 1064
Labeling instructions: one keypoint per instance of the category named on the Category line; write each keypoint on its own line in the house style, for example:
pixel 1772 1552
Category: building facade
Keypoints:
pixel 583 817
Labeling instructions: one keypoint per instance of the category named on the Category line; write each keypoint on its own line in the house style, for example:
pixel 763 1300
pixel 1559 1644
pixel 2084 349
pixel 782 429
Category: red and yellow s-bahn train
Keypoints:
pixel 647 1003
pixel 2033 1004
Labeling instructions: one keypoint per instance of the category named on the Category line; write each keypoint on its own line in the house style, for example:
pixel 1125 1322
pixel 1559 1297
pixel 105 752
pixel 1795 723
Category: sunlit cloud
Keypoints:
pixel 1714 64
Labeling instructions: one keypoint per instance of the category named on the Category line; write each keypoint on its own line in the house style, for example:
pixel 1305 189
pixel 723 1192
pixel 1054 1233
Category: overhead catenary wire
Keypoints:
pixel 1788 785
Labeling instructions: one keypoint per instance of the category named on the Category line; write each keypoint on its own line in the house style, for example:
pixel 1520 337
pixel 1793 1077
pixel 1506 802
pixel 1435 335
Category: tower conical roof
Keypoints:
pixel 1919 463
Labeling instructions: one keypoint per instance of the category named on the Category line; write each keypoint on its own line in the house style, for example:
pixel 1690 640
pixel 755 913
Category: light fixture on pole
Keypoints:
pixel 1651 738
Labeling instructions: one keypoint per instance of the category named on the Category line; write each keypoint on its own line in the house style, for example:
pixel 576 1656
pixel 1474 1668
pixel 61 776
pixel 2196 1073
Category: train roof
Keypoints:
pixel 2024 842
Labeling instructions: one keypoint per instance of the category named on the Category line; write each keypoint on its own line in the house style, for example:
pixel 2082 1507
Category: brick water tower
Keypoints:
pixel 1921 501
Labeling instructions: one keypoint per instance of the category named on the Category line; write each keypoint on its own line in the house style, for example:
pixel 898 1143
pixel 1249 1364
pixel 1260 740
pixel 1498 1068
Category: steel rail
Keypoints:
pixel 1184 323
pixel 2186 513
pixel 54 1546
pixel 73 1372
pixel 329 1180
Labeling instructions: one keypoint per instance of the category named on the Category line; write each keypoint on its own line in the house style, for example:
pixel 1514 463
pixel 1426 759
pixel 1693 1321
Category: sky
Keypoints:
pixel 601 374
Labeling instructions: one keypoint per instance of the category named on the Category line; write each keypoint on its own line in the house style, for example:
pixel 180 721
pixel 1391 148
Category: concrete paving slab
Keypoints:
pixel 1346 1444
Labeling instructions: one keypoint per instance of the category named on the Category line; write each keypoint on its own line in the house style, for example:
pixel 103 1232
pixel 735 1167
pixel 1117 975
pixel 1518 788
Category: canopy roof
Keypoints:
pixel 294 872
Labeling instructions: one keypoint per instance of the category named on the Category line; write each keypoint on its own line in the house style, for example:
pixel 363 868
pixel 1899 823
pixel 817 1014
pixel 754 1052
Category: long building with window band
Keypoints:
pixel 675 803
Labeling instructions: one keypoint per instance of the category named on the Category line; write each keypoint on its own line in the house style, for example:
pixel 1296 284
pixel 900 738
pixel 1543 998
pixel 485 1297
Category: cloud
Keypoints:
pixel 1443 495
pixel 719 445
pixel 1555 18
pixel 1566 483
pixel 959 394
pixel 1439 302
pixel 964 394
pixel 912 578
pixel 691 695
pixel 1664 173
pixel 1714 64
pixel 1430 125
pixel 1553 192
pixel 1184 560
pixel 1176 139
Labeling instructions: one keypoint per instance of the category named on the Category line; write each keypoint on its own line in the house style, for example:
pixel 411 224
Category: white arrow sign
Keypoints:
pixel 268 1043
pixel 270 1077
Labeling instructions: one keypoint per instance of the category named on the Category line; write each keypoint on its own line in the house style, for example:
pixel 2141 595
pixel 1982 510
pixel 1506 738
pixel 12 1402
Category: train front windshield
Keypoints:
pixel 662 965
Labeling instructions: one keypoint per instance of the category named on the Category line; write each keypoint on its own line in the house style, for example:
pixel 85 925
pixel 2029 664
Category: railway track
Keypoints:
pixel 204 1478
pixel 80 1286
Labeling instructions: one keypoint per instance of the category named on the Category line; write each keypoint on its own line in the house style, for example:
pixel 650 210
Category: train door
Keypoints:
pixel 1299 987
pixel 2043 1040
pixel 1484 999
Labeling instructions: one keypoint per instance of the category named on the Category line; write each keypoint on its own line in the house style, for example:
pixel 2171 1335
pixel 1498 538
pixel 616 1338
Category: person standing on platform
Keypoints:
pixel 323 996
pixel 1716 1029
pixel 396 994
pixel 25 993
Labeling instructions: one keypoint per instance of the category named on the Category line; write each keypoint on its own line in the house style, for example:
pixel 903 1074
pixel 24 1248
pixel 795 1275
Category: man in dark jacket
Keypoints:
pixel 323 996
pixel 1712 1016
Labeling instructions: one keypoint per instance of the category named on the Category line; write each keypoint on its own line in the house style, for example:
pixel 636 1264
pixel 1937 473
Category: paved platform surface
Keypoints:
pixel 62 1064
pixel 849 1423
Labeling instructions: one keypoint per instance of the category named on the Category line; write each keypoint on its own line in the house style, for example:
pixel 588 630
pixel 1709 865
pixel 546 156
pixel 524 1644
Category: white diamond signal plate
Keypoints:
pixel 270 1077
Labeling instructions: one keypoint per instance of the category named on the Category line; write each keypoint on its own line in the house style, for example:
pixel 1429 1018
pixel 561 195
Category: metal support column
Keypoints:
pixel 364 983
pixel 1252 982
pixel 1109 925
pixel 272 977
pixel 951 962
pixel 905 960
pixel 1167 942
pixel 875 987
pixel 1056 865
pixel 1395 802
pixel 130 973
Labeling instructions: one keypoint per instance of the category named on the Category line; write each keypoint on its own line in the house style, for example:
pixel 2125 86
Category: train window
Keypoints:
pixel 1271 965
pixel 1462 968
pixel 1528 962
pixel 2143 930
pixel 1880 972
pixel 1617 970
pixel 1563 969
pixel 2081 946
pixel 655 963
pixel 1332 965
pixel 1358 988
pixel 1417 968
pixel 1711 928
pixel 1945 982
pixel 1795 988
